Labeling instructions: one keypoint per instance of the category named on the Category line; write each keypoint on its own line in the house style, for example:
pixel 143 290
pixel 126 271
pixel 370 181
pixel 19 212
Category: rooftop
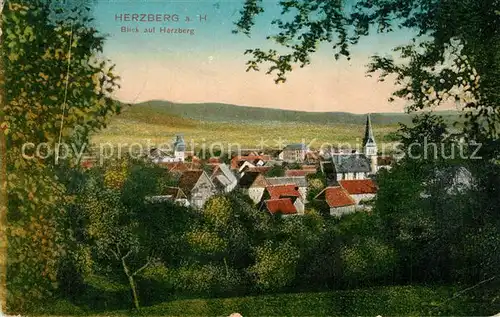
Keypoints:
pixel 359 187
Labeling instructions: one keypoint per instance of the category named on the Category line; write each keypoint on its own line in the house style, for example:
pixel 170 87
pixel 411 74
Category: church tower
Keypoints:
pixel 179 148
pixel 369 145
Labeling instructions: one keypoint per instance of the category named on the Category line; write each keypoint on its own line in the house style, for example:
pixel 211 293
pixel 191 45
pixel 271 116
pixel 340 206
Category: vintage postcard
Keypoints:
pixel 250 158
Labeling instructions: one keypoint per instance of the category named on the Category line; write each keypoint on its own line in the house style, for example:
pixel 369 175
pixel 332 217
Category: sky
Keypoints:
pixel 209 65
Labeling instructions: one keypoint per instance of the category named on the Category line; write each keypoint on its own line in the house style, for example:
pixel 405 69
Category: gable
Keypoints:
pixel 203 182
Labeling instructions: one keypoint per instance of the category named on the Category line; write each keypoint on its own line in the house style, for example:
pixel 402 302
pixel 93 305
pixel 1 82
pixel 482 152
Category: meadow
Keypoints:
pixel 374 301
pixel 234 125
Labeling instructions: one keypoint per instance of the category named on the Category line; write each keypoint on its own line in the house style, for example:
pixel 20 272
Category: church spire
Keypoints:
pixel 369 138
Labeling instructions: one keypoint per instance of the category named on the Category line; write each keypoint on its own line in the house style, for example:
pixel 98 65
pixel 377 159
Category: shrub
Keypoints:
pixel 195 279
pixel 275 265
pixel 367 261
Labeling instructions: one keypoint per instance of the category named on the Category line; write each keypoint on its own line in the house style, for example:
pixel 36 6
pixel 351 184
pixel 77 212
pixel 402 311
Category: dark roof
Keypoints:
pixel 351 163
pixel 368 138
pixel 189 179
pixel 328 169
pixel 175 192
pixel 248 179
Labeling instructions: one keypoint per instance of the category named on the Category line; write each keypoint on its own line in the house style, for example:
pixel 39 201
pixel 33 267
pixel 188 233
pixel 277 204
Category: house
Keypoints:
pixel 360 190
pixel 291 192
pixel 338 201
pixel 255 160
pixel 161 156
pixel 245 165
pixel 224 178
pixel 351 166
pixel 253 184
pixel 197 186
pixel 282 206
pixel 171 194
pixel 312 158
pixel 328 169
pixel 259 169
pixel 157 155
pixel 299 181
pixel 454 180
pixel 326 151
pixel 294 153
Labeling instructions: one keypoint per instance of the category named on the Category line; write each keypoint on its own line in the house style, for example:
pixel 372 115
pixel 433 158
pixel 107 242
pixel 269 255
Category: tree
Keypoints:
pixel 54 81
pixel 276 171
pixel 118 216
pixel 3 187
pixel 275 265
pixel 453 56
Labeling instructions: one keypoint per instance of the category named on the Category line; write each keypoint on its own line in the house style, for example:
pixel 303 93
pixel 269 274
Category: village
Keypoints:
pixel 278 181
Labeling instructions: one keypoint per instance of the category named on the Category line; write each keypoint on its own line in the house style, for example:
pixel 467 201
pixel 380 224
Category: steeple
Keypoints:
pixel 369 138
pixel 369 146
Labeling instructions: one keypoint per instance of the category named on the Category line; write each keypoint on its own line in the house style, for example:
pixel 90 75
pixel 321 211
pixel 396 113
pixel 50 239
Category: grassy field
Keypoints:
pixel 158 124
pixel 384 301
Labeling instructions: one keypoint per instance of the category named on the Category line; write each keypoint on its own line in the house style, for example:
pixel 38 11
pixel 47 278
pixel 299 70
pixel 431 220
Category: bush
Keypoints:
pixel 368 261
pixel 194 279
pixel 275 265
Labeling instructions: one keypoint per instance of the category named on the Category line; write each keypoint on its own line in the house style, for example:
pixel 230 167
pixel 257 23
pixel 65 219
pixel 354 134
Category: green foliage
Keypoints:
pixel 366 261
pixel 314 187
pixel 276 171
pixel 35 53
pixel 275 265
pixel 117 226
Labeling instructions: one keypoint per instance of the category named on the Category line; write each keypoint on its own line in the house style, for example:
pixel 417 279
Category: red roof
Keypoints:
pixel 284 206
pixel 279 191
pixel 180 166
pixel 359 186
pixel 295 173
pixel 337 197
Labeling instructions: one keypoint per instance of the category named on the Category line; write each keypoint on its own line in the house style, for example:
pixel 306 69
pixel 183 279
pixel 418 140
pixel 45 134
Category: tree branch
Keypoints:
pixel 127 255
pixel 150 260
pixel 115 254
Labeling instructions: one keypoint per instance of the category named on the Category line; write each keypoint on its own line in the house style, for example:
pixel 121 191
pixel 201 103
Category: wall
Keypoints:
pixel 358 198
pixel 256 193
pixel 203 190
pixel 342 210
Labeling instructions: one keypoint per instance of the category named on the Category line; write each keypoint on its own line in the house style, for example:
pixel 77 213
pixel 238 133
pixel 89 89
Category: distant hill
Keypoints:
pixel 217 112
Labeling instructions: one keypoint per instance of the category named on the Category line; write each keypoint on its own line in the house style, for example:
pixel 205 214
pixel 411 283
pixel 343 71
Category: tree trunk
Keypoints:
pixel 134 291
pixel 131 282
pixel 3 190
